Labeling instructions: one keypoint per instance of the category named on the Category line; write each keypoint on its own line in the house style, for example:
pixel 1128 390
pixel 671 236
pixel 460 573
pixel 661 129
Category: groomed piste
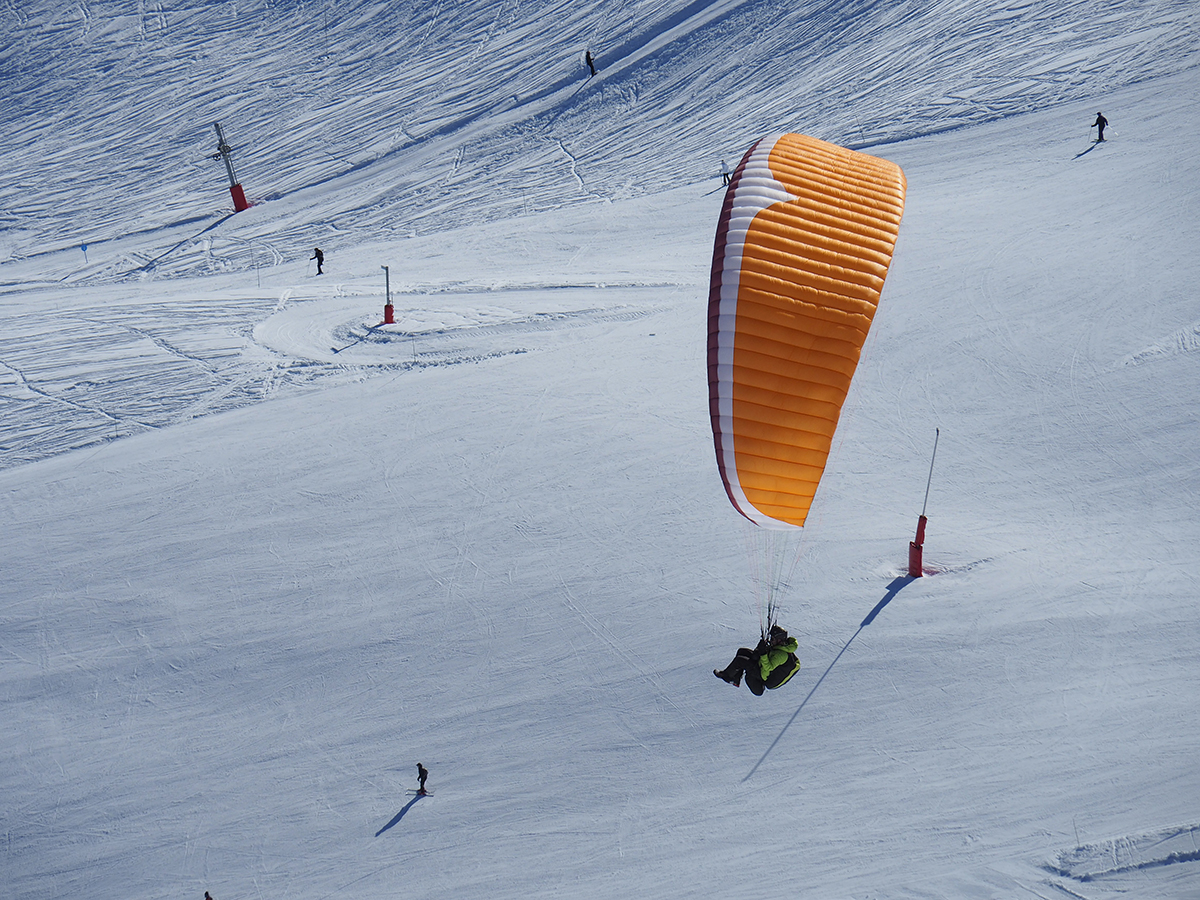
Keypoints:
pixel 263 554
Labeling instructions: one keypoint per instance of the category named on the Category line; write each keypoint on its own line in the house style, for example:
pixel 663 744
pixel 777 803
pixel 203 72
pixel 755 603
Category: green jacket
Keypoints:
pixel 774 657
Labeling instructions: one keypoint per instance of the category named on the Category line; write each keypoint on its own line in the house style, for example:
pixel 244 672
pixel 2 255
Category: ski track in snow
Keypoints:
pixel 354 88
pixel 141 367
pixel 1113 861
pixel 303 549
pixel 1186 340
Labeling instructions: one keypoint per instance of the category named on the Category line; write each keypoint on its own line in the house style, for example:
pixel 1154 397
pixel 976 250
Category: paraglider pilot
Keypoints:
pixel 767 666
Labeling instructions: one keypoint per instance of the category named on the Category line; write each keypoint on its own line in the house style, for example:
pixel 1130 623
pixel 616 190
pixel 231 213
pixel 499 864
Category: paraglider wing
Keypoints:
pixel 803 246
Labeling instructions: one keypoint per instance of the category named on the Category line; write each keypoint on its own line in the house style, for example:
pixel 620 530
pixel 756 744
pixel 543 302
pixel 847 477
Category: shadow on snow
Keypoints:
pixel 893 589
pixel 400 815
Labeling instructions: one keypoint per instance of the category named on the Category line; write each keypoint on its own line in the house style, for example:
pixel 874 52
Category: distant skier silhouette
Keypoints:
pixel 1100 123
pixel 320 258
pixel 422 774
pixel 591 63
pixel 726 175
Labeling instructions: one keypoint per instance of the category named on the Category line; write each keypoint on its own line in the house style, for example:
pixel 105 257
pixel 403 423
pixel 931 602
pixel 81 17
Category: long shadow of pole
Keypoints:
pixel 893 589
pixel 400 815
pixel 146 267
pixel 368 333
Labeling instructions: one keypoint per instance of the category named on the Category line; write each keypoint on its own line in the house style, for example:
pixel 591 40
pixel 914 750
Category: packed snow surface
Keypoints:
pixel 262 554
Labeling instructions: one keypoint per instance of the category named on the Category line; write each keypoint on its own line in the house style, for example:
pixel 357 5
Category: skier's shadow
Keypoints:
pixel 893 589
pixel 400 815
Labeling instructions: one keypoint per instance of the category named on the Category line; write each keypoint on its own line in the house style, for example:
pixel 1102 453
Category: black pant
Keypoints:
pixel 745 665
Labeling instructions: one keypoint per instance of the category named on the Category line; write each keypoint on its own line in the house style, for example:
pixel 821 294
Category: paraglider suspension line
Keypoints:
pixel 774 557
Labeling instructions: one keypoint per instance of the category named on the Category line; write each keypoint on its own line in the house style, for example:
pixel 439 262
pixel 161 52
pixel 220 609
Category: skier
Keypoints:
pixel 1100 123
pixel 206 896
pixel 591 63
pixel 726 175
pixel 422 774
pixel 320 258
pixel 767 666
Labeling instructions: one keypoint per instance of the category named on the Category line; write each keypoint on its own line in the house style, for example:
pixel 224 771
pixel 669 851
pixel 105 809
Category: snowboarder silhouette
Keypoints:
pixel 319 257
pixel 422 774
pixel 591 64
pixel 1100 123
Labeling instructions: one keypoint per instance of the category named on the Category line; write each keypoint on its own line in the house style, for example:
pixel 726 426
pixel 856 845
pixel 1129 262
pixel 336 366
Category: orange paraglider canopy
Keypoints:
pixel 803 246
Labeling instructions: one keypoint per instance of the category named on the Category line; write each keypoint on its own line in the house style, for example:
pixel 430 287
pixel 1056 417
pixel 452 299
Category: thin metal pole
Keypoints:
pixel 388 316
pixel 223 151
pixel 936 434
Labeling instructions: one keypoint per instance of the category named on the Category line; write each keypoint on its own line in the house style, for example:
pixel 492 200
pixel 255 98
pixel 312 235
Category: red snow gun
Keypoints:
pixel 916 547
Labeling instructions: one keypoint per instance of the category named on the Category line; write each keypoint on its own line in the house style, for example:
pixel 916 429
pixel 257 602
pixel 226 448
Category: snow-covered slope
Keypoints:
pixel 394 119
pixel 261 557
